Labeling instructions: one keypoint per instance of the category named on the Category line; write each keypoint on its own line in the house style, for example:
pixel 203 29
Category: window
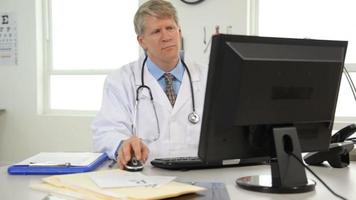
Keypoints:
pixel 84 40
pixel 316 19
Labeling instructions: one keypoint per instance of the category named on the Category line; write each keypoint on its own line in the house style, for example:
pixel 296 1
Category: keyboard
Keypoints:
pixel 187 163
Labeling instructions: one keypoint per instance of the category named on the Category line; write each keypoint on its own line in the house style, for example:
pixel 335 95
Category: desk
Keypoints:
pixel 343 181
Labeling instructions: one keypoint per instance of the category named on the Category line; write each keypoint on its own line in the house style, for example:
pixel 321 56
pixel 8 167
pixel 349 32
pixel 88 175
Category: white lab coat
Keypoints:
pixel 178 137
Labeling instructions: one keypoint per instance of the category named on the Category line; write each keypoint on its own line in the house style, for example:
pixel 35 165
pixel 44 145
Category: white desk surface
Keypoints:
pixel 343 181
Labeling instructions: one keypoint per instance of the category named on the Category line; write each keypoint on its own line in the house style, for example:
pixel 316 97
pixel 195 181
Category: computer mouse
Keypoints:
pixel 134 165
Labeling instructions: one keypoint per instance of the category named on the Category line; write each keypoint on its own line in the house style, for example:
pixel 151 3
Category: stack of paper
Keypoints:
pixel 115 180
pixel 121 185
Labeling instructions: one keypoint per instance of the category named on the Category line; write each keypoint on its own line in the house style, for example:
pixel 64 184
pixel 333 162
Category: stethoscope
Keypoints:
pixel 193 117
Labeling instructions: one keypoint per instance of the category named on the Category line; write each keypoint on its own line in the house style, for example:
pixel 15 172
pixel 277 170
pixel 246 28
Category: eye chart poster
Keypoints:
pixel 8 43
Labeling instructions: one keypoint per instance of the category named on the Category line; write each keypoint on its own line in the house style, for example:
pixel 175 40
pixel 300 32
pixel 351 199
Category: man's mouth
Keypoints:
pixel 168 47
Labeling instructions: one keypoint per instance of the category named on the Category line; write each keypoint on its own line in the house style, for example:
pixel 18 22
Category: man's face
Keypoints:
pixel 161 39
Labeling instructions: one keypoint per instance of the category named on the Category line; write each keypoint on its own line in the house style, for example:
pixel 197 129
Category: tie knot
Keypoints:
pixel 168 77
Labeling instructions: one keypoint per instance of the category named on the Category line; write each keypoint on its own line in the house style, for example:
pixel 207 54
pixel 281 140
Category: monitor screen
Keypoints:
pixel 259 84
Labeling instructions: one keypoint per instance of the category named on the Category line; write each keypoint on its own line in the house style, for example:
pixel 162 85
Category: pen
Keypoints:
pixel 111 165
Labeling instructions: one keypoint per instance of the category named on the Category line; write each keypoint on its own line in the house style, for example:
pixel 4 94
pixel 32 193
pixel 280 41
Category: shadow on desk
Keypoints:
pixel 214 191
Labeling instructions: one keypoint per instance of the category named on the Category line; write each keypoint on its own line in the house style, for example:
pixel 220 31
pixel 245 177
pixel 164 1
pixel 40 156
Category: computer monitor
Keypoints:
pixel 270 97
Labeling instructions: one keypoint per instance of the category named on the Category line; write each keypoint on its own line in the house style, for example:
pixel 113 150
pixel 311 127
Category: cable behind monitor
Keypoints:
pixel 316 176
pixel 351 83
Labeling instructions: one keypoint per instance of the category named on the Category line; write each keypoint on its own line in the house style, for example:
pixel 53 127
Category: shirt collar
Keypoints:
pixel 157 72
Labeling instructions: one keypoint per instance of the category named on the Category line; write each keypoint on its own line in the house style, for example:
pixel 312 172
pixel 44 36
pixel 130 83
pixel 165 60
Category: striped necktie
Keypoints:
pixel 168 77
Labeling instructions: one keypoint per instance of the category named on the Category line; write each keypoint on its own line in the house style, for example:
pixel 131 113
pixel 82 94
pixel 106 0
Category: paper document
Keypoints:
pixel 61 159
pixel 82 186
pixel 115 180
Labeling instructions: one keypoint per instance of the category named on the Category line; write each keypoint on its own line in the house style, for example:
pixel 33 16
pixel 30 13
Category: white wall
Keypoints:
pixel 23 132
pixel 209 14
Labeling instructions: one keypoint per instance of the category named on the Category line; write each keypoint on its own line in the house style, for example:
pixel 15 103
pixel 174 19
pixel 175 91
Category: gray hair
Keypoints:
pixel 155 8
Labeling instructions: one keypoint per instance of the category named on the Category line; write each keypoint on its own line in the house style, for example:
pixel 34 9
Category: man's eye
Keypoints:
pixel 170 28
pixel 155 31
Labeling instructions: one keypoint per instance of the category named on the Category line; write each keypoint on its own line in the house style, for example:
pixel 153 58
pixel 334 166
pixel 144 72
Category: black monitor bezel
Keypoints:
pixel 207 144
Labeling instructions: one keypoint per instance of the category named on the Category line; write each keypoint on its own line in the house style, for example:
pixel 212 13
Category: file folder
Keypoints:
pixel 82 186
pixel 49 169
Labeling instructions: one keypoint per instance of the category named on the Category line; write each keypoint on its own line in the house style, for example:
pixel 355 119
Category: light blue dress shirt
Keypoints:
pixel 157 72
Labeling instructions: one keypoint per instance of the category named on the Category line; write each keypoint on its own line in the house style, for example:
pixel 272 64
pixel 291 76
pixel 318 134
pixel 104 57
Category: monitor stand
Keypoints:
pixel 288 175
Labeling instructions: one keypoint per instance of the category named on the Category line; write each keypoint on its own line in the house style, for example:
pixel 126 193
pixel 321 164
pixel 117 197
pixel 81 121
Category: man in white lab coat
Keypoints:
pixel 161 129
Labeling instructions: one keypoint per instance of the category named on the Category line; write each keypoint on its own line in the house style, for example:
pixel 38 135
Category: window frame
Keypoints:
pixel 48 70
pixel 252 29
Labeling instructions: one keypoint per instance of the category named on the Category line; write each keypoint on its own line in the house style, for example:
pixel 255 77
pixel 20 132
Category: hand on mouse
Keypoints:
pixel 132 146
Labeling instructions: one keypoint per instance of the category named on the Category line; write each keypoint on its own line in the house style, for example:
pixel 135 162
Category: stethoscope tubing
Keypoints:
pixel 151 97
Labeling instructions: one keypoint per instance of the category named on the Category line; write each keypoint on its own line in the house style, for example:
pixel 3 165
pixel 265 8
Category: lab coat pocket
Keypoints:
pixel 193 134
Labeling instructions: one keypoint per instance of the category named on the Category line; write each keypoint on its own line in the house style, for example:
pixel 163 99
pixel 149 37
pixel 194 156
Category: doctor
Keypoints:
pixel 147 109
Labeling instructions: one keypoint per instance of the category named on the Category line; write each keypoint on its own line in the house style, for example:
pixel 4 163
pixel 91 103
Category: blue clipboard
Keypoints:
pixel 50 170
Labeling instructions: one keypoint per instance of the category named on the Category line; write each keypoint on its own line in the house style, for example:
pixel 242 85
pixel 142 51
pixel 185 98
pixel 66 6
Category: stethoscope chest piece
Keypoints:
pixel 193 118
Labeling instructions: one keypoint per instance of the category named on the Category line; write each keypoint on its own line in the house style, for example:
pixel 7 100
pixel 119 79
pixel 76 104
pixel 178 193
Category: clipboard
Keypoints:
pixel 46 169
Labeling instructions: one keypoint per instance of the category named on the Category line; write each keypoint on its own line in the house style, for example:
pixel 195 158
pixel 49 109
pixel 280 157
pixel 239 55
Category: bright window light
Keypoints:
pixel 73 92
pixel 96 34
pixel 346 106
pixel 315 19
pixel 87 39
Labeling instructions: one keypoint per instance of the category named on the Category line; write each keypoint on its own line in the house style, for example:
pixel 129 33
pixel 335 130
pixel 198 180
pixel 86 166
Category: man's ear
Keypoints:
pixel 141 41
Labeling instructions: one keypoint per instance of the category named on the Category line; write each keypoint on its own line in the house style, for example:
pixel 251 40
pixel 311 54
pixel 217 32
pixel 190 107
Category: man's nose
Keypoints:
pixel 166 35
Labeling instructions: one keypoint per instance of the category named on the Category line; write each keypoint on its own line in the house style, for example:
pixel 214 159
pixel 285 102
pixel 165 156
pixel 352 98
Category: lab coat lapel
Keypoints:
pixel 159 96
pixel 184 94
pixel 137 72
